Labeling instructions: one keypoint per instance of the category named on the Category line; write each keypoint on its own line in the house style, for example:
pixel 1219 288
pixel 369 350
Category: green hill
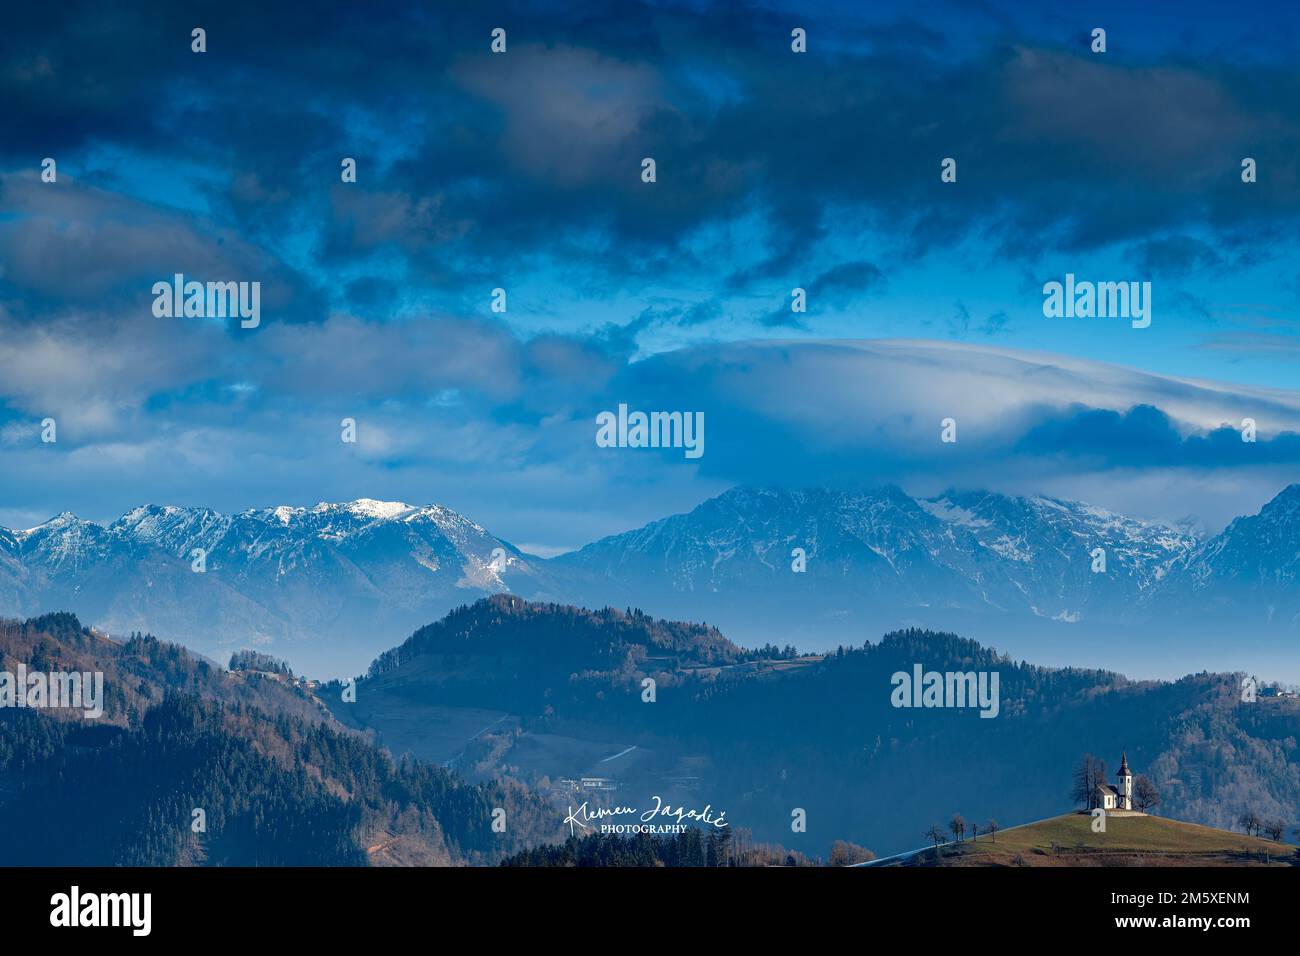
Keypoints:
pixel 1068 840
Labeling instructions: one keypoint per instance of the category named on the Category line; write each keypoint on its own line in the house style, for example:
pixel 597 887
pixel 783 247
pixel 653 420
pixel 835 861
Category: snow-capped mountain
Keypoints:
pixel 884 556
pixel 328 587
pixel 1247 573
pixel 282 543
pixel 1068 582
pixel 331 585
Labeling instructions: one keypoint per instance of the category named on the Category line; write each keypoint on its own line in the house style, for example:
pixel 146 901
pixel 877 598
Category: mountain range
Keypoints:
pixel 331 586
pixel 327 586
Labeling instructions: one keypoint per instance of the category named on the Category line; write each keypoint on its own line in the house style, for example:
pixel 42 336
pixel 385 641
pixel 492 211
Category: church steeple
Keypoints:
pixel 1125 784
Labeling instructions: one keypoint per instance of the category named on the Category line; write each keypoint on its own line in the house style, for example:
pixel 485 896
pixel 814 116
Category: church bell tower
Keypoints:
pixel 1125 784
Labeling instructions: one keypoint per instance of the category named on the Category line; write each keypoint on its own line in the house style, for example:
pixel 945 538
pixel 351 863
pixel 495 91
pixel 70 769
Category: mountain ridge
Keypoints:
pixel 336 583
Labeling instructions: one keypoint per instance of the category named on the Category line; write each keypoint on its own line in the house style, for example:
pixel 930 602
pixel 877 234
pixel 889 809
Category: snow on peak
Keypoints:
pixel 377 509
pixel 365 507
pixel 63 519
pixel 945 510
pixel 284 513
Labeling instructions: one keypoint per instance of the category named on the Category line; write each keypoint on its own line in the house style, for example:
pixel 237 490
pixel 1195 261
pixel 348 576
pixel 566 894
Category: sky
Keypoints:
pixel 522 170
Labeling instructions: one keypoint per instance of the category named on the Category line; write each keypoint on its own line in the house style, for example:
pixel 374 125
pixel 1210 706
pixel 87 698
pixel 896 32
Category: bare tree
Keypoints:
pixel 935 833
pixel 1274 829
pixel 844 853
pixel 1088 777
pixel 1250 822
pixel 992 828
pixel 974 832
pixel 1145 794
pixel 958 826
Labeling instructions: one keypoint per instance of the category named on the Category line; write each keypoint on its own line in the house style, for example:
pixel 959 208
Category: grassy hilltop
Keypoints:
pixel 1068 840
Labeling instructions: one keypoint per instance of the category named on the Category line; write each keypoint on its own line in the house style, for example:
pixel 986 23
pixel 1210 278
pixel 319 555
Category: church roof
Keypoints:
pixel 1123 767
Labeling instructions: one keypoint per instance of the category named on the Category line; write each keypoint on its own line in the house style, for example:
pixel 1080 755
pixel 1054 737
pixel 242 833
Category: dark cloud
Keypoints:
pixel 1176 256
pixel 471 163
pixel 960 325
pixel 846 282
pixel 64 245
pixel 685 315
pixel 1146 437
pixel 775 170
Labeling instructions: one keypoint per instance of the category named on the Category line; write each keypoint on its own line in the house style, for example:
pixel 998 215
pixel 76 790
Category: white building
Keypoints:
pixel 1118 797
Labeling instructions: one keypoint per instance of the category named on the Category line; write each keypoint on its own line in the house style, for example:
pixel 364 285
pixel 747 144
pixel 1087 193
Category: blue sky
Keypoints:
pixel 521 170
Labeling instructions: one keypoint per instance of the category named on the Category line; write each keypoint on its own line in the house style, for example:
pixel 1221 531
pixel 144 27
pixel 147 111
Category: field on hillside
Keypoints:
pixel 1068 840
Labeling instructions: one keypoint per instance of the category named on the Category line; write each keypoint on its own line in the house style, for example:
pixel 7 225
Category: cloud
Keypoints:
pixel 345 358
pixel 775 170
pixel 1145 437
pixel 846 282
pixel 67 244
pixel 465 413
pixel 479 168
pixel 1177 256
pixel 803 413
pixel 572 116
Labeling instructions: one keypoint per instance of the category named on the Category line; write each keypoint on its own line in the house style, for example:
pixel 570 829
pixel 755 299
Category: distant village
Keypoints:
pixel 1276 691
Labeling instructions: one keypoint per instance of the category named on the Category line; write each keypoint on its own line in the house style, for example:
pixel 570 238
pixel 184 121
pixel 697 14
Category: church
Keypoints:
pixel 1118 797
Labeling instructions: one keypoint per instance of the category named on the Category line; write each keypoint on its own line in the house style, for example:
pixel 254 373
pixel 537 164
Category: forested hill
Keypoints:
pixel 141 670
pixel 277 781
pixel 558 637
pixel 763 731
pixel 827 737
